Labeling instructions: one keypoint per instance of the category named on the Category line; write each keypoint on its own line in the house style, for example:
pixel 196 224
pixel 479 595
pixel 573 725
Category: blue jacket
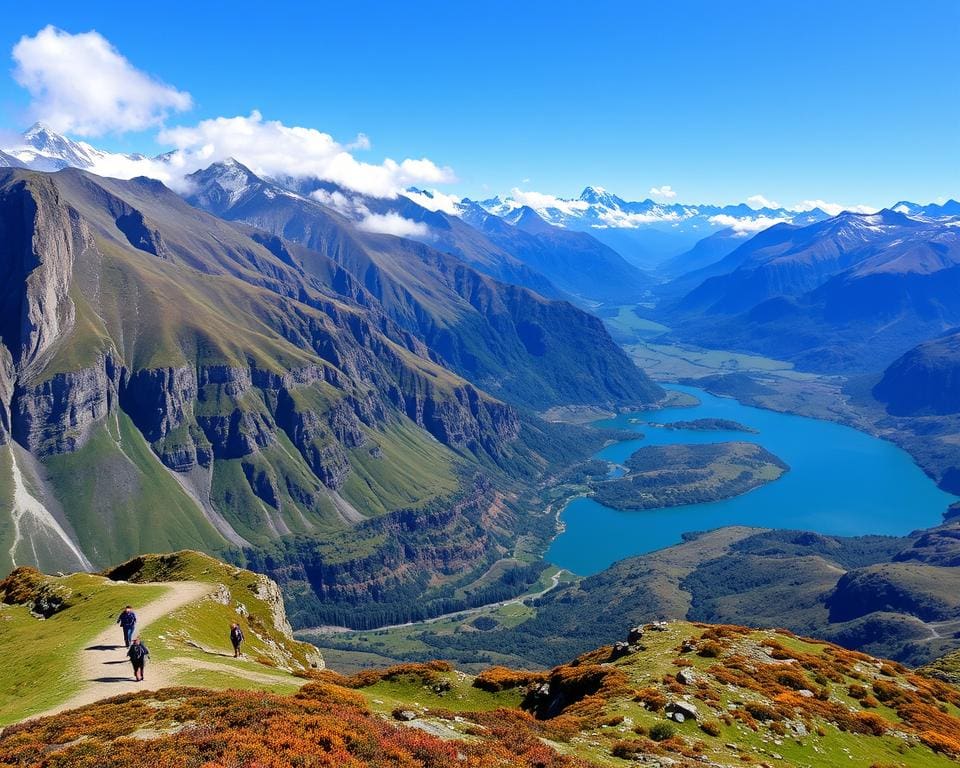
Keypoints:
pixel 127 619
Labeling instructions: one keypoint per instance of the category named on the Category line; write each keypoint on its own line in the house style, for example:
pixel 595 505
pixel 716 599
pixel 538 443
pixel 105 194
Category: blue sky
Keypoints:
pixel 855 102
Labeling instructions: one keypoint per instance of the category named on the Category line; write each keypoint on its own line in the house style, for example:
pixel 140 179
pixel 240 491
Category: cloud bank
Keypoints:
pixel 759 201
pixel 81 84
pixel 742 227
pixel 270 148
pixel 831 209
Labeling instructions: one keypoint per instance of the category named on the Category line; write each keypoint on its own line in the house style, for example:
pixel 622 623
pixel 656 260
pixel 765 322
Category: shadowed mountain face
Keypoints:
pixel 846 294
pixel 169 379
pixel 925 381
pixel 509 341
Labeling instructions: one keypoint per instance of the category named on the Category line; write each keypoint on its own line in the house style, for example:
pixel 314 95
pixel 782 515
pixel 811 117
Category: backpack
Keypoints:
pixel 137 652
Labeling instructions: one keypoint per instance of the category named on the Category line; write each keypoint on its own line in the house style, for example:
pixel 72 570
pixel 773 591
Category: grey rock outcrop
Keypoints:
pixel 56 415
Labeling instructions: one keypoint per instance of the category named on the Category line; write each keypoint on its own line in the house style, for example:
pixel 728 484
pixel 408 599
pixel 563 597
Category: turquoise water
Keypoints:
pixel 841 482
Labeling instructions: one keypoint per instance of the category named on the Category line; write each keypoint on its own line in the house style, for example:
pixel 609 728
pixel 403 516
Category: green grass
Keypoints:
pixel 627 324
pixel 669 362
pixel 412 471
pixel 40 655
pixel 46 651
pixel 6 504
pixel 202 629
pixel 129 503
pixel 385 695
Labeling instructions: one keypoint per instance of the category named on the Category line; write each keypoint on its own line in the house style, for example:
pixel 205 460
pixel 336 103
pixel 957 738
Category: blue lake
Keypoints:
pixel 841 481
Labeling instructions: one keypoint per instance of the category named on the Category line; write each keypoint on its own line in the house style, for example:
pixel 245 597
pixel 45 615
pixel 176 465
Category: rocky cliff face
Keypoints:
pixel 55 415
pixel 39 237
pixel 414 549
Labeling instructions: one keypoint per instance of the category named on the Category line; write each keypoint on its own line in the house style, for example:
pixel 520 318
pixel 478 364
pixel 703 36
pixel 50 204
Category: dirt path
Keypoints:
pixel 104 667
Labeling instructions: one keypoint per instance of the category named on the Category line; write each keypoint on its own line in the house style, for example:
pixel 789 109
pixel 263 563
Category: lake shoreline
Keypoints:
pixel 596 536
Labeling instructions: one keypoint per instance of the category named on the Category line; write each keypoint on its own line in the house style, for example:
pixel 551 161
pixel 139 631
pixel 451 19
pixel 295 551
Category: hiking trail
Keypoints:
pixel 103 665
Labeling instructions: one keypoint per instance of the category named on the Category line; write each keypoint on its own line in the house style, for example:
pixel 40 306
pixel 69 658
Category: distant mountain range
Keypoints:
pixel 841 293
pixel 647 232
pixel 849 293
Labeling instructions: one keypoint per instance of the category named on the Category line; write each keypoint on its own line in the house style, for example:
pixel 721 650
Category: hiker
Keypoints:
pixel 236 637
pixel 128 622
pixel 138 653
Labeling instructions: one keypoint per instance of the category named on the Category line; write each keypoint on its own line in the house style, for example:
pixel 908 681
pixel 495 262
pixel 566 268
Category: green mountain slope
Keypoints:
pixel 171 380
pixel 508 340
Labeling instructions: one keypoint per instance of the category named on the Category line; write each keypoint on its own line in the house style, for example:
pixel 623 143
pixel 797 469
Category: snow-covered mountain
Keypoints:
pixel 42 149
pixel 647 232
pixel 933 211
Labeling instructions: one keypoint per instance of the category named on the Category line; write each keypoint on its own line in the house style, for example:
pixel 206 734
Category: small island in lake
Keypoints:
pixel 674 475
pixel 710 425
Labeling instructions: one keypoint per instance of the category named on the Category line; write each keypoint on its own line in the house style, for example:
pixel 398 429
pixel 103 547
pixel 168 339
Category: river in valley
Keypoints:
pixel 841 481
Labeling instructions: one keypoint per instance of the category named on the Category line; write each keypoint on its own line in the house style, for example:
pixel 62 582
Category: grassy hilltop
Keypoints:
pixel 678 693
pixel 47 622
pixel 749 697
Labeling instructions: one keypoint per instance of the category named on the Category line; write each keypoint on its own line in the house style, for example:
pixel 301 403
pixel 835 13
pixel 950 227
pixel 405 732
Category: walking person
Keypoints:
pixel 236 637
pixel 138 652
pixel 128 623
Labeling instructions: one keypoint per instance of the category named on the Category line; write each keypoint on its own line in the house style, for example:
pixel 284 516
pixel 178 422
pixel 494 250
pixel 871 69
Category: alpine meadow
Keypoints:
pixel 346 420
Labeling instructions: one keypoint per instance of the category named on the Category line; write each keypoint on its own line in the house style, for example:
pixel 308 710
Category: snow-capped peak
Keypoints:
pixel 599 196
pixel 222 184
pixel 43 149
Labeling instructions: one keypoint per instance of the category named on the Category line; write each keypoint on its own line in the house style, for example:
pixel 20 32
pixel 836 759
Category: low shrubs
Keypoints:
pixel 662 731
pixel 498 679
pixel 320 727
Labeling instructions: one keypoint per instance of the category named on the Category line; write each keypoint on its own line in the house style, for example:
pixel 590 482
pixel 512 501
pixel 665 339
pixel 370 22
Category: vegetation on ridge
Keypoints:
pixel 680 694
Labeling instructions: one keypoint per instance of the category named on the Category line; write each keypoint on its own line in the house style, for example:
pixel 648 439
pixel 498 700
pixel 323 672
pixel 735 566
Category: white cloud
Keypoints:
pixel 270 148
pixel 759 201
pixel 623 220
pixel 745 226
pixel 666 192
pixel 831 209
pixel 338 201
pixel 539 200
pixel 392 223
pixel 83 85
pixel 435 200
pixel 80 84
pixel 389 223
pixel 361 142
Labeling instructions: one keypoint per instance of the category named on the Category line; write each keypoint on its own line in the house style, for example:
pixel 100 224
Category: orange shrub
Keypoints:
pixel 502 679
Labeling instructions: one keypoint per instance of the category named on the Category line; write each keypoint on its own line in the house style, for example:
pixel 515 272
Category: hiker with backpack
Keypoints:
pixel 236 637
pixel 128 623
pixel 137 653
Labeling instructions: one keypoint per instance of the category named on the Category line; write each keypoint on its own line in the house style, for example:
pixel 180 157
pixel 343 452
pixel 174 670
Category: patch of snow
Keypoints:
pixel 31 519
